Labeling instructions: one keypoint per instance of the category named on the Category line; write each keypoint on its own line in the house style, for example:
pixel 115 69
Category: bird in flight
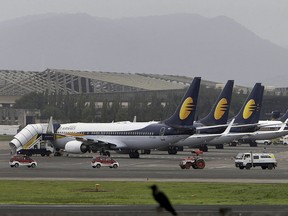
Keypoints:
pixel 162 199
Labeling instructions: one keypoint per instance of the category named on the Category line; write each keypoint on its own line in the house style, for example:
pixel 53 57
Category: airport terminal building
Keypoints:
pixel 107 85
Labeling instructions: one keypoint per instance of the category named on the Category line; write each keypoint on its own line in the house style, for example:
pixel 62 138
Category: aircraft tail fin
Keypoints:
pixel 284 117
pixel 185 112
pixel 220 111
pixel 250 111
pixel 50 128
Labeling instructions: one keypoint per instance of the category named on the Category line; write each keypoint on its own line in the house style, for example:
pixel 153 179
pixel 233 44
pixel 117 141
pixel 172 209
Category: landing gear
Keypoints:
pixel 172 150
pixel 253 144
pixel 219 146
pixel 146 151
pixel 203 148
pixel 57 154
pixel 105 153
pixel 134 154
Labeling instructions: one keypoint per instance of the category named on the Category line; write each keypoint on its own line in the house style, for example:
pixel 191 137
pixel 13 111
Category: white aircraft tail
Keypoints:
pixel 50 128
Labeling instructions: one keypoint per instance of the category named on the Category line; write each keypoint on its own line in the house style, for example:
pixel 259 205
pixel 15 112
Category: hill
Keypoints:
pixel 216 49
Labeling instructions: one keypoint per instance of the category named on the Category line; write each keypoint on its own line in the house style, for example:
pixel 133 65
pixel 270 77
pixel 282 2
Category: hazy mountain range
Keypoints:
pixel 216 49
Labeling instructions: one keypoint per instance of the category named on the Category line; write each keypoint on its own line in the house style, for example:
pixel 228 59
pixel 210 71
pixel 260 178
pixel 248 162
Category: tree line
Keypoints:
pixel 84 108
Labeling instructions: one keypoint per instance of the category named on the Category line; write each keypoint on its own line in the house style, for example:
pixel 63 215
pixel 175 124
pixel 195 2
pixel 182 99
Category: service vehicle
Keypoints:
pixel 248 160
pixel 42 148
pixel 265 142
pixel 195 162
pixel 104 161
pixel 284 140
pixel 22 160
pixel 43 152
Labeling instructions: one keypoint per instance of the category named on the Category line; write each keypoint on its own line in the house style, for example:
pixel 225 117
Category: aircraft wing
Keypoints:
pixel 102 141
pixel 210 127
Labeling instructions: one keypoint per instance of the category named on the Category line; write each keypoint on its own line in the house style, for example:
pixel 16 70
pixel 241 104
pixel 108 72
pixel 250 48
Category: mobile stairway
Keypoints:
pixel 30 140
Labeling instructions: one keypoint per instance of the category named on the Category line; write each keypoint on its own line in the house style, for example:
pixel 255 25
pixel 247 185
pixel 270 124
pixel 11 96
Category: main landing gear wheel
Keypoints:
pixel 172 150
pixel 134 154
pixel 203 148
pixel 105 153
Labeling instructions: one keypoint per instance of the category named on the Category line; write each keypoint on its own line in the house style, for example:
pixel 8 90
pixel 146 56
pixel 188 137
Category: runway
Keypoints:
pixel 156 167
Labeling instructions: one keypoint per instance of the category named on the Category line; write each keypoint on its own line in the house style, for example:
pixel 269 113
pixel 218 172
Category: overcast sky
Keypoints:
pixel 267 18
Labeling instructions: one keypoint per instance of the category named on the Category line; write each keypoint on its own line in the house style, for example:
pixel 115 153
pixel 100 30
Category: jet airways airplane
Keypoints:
pixel 272 125
pixel 131 136
pixel 246 120
pixel 210 126
pixel 269 129
pixel 268 135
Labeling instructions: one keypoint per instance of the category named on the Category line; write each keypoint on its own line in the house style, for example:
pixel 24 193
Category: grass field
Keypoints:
pixel 6 137
pixel 139 193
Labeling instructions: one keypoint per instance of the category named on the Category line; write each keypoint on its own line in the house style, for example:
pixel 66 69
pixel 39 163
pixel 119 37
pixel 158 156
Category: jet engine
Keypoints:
pixel 76 147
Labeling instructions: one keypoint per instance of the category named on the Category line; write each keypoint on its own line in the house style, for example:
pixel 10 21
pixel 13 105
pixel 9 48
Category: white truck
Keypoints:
pixel 284 140
pixel 248 160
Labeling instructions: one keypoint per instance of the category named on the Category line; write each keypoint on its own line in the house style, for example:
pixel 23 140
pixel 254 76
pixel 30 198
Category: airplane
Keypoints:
pixel 268 135
pixel 273 124
pixel 126 136
pixel 211 125
pixel 246 121
pixel 197 140
pixel 269 129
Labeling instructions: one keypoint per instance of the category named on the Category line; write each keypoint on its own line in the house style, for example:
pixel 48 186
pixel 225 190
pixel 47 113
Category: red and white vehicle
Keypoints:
pixel 104 161
pixel 22 160
pixel 195 162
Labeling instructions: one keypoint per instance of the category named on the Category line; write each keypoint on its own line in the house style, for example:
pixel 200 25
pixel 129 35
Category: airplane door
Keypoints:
pixel 162 134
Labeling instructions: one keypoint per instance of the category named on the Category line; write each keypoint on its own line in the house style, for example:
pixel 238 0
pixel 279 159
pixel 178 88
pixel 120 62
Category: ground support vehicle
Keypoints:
pixel 195 162
pixel 284 140
pixel 42 151
pixel 22 160
pixel 104 161
pixel 40 147
pixel 248 160
pixel 265 142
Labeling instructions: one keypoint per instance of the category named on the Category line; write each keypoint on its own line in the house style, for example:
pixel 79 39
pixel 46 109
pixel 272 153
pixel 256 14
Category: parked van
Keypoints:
pixel 248 160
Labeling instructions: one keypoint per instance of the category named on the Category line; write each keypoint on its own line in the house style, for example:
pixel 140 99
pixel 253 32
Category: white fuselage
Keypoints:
pixel 122 135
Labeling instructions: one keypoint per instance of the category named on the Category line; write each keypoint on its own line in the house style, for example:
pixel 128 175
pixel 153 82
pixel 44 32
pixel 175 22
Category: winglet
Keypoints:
pixel 227 130
pixel 283 125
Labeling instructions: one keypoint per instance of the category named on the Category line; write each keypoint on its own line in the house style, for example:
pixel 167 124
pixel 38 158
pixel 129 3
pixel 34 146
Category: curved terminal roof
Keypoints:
pixel 76 82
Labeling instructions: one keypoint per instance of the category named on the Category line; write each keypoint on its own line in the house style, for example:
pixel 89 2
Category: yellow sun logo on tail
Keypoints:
pixel 186 108
pixel 221 108
pixel 249 109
